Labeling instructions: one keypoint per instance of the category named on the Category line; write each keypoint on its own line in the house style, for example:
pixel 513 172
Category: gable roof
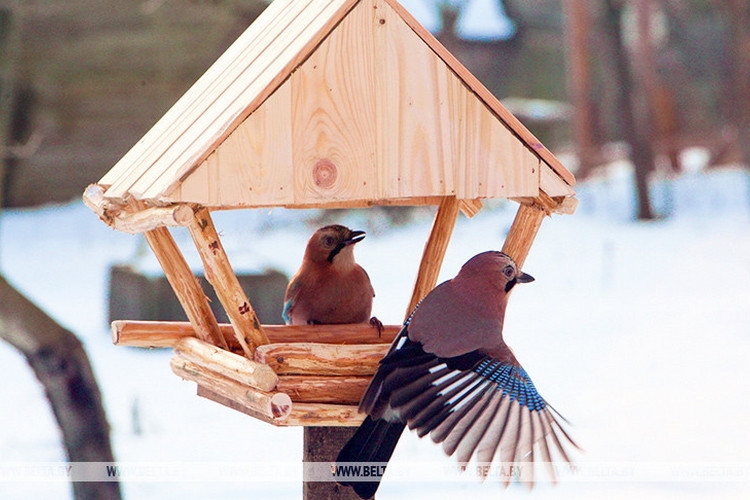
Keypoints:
pixel 334 103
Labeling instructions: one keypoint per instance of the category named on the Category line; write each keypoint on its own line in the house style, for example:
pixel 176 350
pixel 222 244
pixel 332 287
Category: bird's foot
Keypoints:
pixel 377 324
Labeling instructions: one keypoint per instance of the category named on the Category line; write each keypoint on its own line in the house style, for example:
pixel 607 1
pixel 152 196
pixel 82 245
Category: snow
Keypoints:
pixel 638 333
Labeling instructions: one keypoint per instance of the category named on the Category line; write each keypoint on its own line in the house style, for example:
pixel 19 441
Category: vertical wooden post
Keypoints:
pixel 434 250
pixel 219 273
pixel 322 445
pixel 185 286
pixel 523 231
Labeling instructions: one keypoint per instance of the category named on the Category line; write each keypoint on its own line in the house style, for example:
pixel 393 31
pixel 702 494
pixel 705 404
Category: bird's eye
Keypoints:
pixel 328 241
pixel 509 272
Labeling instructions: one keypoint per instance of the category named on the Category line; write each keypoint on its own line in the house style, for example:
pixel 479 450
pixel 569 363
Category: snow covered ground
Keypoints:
pixel 639 333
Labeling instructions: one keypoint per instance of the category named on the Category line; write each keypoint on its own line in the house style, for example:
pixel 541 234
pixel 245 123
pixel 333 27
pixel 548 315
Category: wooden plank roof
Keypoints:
pixel 334 103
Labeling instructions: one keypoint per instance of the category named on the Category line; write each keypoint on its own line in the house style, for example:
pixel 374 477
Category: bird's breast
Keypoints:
pixel 335 297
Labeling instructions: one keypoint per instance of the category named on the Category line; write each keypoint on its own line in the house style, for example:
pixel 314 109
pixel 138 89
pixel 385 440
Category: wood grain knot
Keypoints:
pixel 325 174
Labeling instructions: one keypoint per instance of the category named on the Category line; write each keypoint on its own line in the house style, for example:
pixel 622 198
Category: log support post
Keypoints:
pixel 219 273
pixel 322 444
pixel 185 286
pixel 434 250
pixel 523 231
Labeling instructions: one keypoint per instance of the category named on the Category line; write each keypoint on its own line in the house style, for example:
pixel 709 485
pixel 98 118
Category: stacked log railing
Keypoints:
pixel 290 381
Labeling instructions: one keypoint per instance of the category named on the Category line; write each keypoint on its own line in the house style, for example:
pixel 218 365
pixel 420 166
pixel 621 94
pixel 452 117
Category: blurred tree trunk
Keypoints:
pixel 738 14
pixel 8 58
pixel 62 366
pixel 578 29
pixel 636 127
pixel 658 115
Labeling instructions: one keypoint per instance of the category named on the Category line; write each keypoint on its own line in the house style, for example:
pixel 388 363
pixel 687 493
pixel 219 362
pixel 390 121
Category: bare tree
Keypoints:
pixel 637 129
pixel 62 367
pixel 578 30
pixel 738 17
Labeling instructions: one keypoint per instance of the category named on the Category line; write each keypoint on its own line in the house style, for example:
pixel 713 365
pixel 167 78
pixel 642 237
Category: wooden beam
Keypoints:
pixel 227 364
pixel 150 218
pixel 211 395
pixel 274 406
pixel 523 231
pixel 302 414
pixel 321 359
pixel 168 333
pixel 470 207
pixel 134 222
pixel 324 415
pixel 347 389
pixel 434 250
pixel 185 286
pixel 219 273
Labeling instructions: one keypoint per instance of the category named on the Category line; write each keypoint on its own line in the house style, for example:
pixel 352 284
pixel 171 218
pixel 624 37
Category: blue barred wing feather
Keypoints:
pixel 475 405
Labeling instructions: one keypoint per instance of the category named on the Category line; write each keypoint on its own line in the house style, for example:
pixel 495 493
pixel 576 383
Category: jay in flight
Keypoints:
pixel 450 374
pixel 330 287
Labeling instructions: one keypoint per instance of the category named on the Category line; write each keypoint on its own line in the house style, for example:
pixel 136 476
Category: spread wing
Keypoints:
pixel 474 404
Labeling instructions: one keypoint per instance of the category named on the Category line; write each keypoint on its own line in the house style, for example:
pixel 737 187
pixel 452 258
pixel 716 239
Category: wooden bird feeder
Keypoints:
pixel 320 103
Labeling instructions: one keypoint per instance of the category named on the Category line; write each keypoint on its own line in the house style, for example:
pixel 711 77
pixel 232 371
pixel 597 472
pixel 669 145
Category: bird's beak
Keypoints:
pixel 355 237
pixel 524 278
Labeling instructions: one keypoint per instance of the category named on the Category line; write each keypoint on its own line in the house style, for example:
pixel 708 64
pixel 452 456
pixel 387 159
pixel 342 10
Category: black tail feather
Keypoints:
pixel 373 443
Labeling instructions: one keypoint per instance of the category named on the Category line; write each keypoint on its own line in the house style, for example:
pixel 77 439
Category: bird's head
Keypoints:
pixel 496 268
pixel 333 242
